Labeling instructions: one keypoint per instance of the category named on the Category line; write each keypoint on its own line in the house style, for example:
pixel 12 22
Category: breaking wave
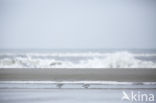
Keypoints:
pixel 83 60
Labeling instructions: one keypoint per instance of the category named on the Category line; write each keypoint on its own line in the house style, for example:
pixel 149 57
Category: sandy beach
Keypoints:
pixel 43 92
pixel 120 75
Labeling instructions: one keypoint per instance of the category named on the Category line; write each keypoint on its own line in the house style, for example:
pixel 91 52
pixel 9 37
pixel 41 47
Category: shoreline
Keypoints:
pixel 75 85
pixel 118 75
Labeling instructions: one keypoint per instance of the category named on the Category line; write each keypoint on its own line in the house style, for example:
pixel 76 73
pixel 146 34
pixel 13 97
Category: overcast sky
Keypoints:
pixel 49 24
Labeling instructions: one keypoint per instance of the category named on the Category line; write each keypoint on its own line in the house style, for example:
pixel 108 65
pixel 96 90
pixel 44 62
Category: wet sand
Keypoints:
pixel 68 95
pixel 121 75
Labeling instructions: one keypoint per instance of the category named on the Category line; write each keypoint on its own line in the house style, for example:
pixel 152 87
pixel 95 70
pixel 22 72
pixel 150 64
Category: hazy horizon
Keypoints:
pixel 77 24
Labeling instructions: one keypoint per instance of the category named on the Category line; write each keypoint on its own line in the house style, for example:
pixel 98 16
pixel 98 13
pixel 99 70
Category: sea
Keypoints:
pixel 78 58
pixel 77 91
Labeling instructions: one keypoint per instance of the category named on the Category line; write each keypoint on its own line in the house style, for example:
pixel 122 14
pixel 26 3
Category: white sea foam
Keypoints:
pixel 75 84
pixel 80 82
pixel 97 60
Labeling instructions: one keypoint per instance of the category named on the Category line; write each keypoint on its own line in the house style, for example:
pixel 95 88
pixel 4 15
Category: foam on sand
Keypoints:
pixel 75 84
